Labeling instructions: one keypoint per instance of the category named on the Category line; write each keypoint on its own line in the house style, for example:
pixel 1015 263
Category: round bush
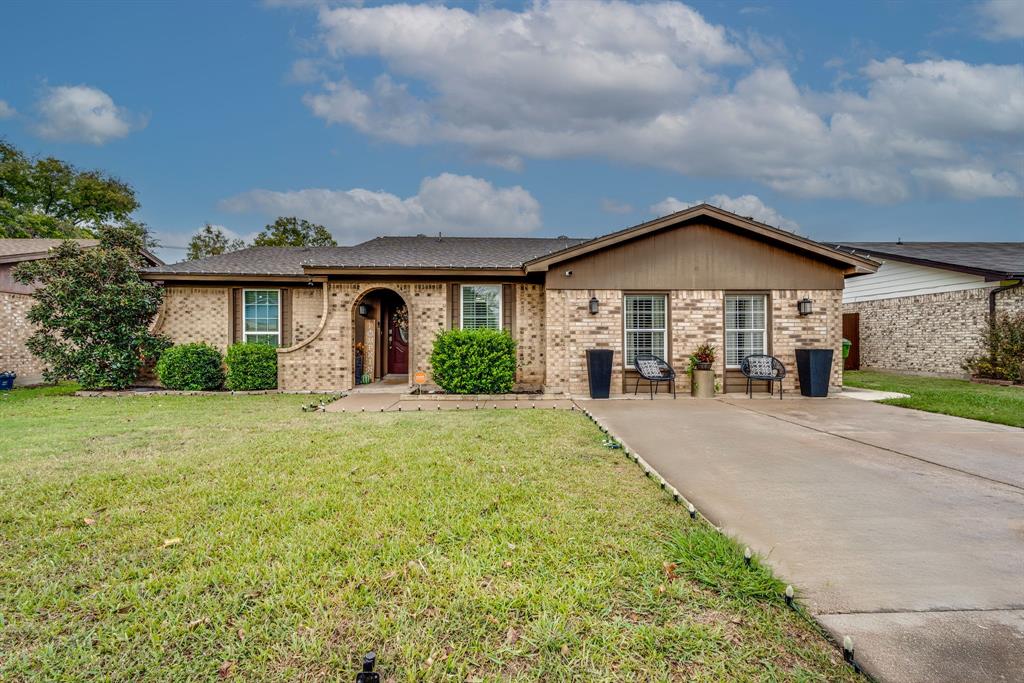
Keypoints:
pixel 474 361
pixel 251 367
pixel 191 367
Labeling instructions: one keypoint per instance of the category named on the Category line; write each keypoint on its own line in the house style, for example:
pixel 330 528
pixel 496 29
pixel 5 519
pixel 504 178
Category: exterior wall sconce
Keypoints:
pixel 364 310
pixel 805 306
pixel 593 305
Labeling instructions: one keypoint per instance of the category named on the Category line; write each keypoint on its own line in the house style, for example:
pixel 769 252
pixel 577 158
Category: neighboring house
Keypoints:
pixel 665 286
pixel 16 299
pixel 927 307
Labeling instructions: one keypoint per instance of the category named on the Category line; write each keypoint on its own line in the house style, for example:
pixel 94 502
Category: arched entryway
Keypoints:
pixel 381 338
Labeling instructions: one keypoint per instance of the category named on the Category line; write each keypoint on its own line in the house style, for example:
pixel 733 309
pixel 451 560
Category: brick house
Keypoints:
pixel 665 286
pixel 926 308
pixel 16 299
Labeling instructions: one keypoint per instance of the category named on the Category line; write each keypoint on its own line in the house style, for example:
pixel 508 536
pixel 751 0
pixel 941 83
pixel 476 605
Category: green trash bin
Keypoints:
pixel 847 344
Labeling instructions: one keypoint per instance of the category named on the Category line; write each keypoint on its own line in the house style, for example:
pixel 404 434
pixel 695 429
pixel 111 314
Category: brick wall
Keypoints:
pixel 326 362
pixel 307 309
pixel 197 314
pixel 571 330
pixel 822 329
pixel 14 332
pixel 529 333
pixel 1010 301
pixel 929 333
pixel 696 317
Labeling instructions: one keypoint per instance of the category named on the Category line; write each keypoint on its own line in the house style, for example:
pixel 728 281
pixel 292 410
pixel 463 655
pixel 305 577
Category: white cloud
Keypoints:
pixel 656 84
pixel 6 110
pixel 1003 19
pixel 80 113
pixel 612 206
pixel 454 204
pixel 746 205
pixel 969 183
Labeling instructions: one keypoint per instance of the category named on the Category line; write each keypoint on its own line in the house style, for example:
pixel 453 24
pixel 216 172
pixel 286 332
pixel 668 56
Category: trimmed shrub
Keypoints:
pixel 474 361
pixel 1005 343
pixel 191 367
pixel 252 367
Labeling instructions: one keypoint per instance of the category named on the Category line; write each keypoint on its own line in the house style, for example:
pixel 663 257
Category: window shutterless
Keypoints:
pixel 261 316
pixel 645 326
pixel 481 307
pixel 745 327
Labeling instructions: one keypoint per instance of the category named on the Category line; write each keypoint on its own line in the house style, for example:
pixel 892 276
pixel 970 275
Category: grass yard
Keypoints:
pixel 991 403
pixel 190 538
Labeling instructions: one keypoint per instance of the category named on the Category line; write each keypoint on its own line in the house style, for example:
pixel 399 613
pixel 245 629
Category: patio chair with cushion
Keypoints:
pixel 758 367
pixel 654 370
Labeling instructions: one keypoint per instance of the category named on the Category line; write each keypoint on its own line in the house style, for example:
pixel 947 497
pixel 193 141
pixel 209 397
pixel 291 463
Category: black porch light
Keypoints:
pixel 593 305
pixel 805 306
pixel 364 310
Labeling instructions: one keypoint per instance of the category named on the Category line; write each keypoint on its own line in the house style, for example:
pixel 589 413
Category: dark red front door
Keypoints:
pixel 398 341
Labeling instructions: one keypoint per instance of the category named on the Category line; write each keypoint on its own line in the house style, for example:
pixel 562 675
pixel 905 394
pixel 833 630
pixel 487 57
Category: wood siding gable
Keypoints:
pixel 695 256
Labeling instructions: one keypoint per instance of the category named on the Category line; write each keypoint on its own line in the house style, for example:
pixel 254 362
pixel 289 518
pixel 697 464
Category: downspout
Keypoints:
pixel 992 300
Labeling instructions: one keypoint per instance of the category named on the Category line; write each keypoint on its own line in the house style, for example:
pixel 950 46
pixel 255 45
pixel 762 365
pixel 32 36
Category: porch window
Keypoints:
pixel 745 331
pixel 481 307
pixel 261 323
pixel 645 326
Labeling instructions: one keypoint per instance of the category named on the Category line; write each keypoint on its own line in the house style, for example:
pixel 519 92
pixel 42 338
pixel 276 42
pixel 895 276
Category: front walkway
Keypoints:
pixel 904 529
pixel 376 402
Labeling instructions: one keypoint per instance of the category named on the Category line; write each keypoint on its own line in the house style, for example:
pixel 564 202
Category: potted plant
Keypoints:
pixel 702 376
pixel 703 358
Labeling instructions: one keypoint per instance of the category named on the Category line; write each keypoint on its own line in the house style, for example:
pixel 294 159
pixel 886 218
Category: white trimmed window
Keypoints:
pixel 745 331
pixel 644 321
pixel 261 321
pixel 481 307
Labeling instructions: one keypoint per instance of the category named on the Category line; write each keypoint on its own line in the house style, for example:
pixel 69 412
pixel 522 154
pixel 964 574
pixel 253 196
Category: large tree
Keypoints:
pixel 211 241
pixel 92 311
pixel 47 197
pixel 289 231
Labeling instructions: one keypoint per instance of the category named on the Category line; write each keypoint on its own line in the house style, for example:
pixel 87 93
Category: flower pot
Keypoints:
pixel 599 372
pixel 704 366
pixel 702 384
pixel 814 368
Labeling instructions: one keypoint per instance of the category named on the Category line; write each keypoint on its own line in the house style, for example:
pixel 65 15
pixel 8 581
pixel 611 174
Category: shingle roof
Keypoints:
pixel 249 261
pixel 440 252
pixel 998 258
pixel 34 246
pixel 382 252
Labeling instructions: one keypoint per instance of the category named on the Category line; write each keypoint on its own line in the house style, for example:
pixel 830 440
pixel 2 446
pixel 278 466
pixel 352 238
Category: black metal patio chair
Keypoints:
pixel 654 370
pixel 758 367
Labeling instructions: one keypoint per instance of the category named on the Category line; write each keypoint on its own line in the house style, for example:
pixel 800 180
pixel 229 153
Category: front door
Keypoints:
pixel 398 340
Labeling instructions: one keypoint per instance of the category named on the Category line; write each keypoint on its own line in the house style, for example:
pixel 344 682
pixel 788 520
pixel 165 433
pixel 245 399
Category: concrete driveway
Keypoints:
pixel 902 529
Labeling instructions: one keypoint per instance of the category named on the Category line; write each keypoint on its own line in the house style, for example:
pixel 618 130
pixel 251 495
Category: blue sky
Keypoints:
pixel 856 121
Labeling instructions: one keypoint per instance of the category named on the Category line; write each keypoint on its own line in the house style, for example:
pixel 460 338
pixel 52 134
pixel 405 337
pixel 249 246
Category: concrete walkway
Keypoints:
pixel 376 402
pixel 903 529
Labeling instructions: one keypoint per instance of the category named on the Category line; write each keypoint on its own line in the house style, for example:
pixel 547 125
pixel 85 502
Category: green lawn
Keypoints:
pixel 1003 405
pixel 172 538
